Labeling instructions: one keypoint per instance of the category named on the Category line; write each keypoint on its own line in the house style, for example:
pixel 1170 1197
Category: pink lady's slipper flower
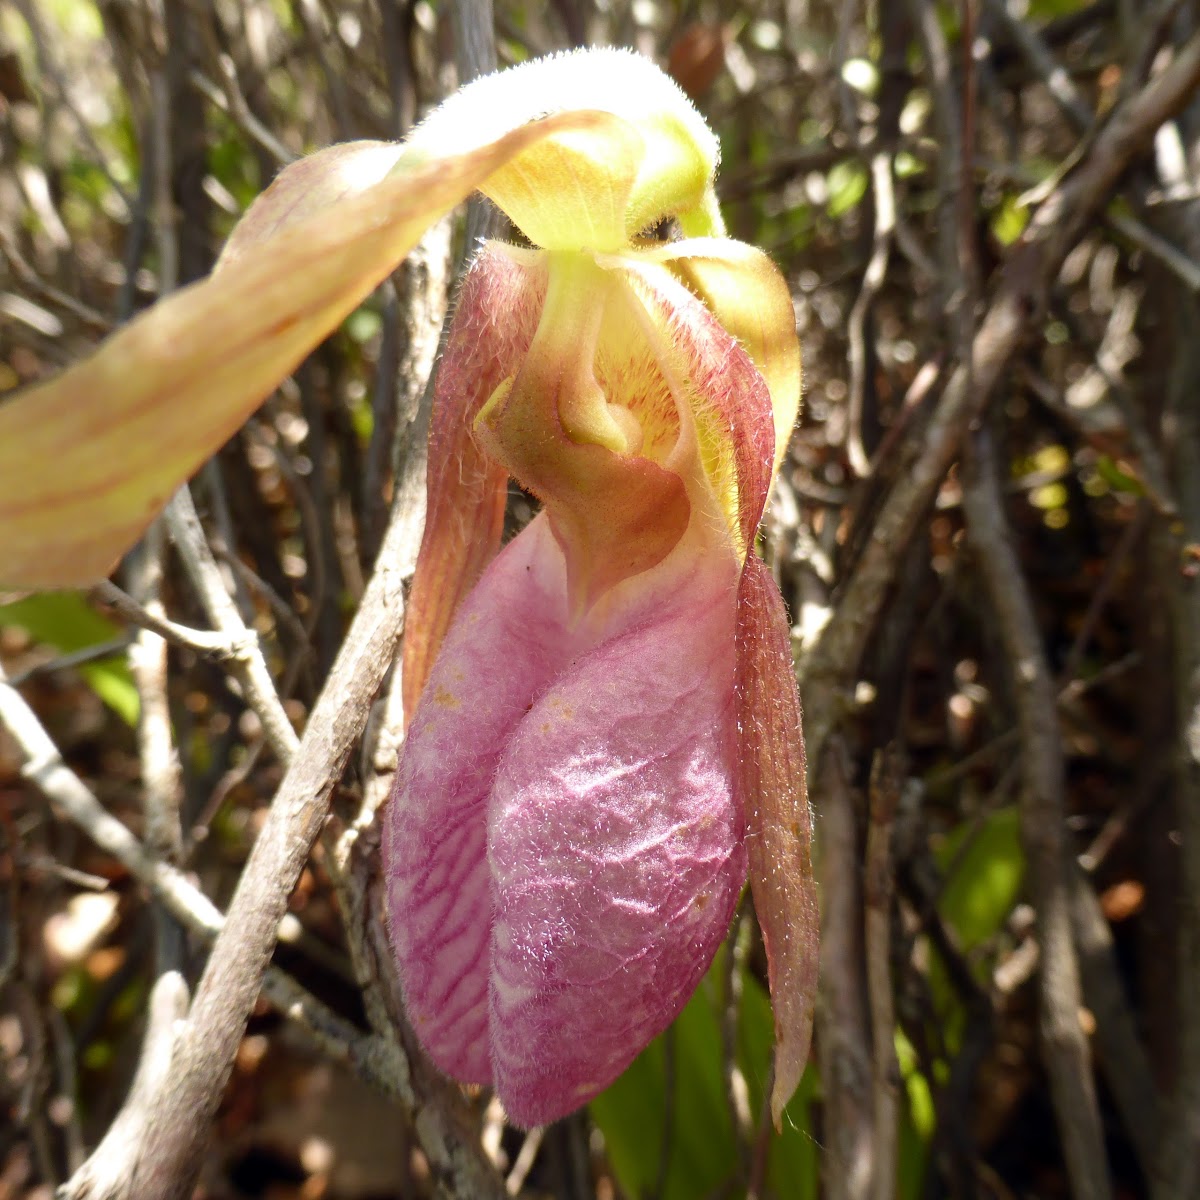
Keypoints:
pixel 608 734
pixel 604 726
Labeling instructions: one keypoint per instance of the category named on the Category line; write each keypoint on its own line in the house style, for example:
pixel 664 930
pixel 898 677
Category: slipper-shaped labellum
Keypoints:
pixel 604 725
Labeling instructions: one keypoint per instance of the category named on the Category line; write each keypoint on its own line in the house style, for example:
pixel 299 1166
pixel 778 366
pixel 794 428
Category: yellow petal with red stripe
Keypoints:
pixel 744 290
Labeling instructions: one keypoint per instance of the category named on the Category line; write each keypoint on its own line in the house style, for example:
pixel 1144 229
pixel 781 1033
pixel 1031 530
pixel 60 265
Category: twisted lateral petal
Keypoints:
pixel 778 819
pixel 90 457
pixel 497 311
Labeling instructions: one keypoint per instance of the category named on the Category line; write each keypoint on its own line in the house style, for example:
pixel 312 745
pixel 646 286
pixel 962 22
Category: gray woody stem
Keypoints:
pixel 1043 827
pixel 1025 279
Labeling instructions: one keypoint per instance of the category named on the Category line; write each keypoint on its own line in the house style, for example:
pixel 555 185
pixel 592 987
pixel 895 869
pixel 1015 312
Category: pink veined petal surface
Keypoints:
pixel 563 847
pixel 493 663
pixel 615 844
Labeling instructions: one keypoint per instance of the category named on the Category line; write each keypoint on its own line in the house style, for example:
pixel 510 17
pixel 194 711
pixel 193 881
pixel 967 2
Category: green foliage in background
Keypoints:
pixel 693 1127
pixel 63 622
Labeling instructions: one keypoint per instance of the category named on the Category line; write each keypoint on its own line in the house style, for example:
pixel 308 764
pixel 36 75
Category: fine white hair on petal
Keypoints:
pixel 612 80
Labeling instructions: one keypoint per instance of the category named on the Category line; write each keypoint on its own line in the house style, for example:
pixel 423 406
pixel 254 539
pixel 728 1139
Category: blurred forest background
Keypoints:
pixel 988 531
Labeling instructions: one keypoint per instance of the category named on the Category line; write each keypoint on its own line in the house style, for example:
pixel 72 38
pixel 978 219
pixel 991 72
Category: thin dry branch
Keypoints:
pixel 844 1039
pixel 250 669
pixel 926 455
pixel 202 641
pixel 884 191
pixel 879 890
pixel 1176 1174
pixel 44 767
pixel 1043 827
pixel 101 1176
pixel 1118 1043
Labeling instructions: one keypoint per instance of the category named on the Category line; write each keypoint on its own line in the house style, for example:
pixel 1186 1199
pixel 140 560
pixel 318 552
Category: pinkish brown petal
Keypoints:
pixel 496 314
pixel 778 819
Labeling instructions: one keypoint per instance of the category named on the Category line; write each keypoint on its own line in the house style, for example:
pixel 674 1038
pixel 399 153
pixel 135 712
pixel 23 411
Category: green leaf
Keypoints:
pixel 987 868
pixel 917 1123
pixel 793 1164
pixel 633 1112
pixel 847 186
pixel 64 622
pixel 1117 479
pixel 701 1147
pixel 1047 10
pixel 1009 220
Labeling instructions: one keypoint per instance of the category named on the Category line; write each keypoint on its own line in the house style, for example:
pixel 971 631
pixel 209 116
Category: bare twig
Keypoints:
pixel 251 671
pixel 162 786
pixel 53 72
pixel 886 781
pixel 1121 1053
pixel 1021 292
pixel 108 1163
pixel 1041 58
pixel 846 12
pixel 844 1040
pixel 23 272
pixel 1177 261
pixel 76 658
pixel 1042 828
pixel 885 222
pixel 515 1180
pixel 230 99
pixel 950 132
pixel 475 55
pixel 1177 1165
pixel 737 1099
pixel 202 641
